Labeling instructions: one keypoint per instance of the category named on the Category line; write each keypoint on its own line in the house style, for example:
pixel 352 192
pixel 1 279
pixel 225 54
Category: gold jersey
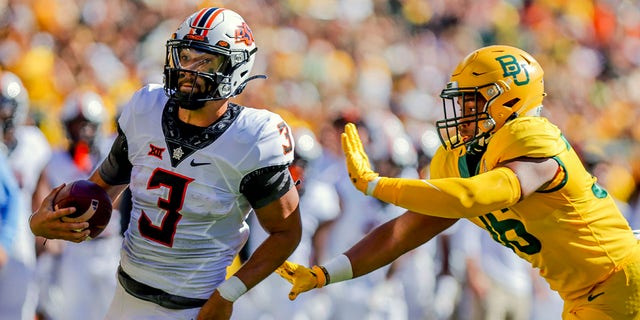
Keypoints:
pixel 571 229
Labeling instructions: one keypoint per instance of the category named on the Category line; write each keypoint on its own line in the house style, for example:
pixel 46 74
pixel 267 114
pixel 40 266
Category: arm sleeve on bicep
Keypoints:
pixel 116 167
pixel 265 185
pixel 453 197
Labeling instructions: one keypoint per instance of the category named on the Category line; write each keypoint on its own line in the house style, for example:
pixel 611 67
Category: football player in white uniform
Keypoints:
pixel 27 152
pixel 197 166
pixel 77 279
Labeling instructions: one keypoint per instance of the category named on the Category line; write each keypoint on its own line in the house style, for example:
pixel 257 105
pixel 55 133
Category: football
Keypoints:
pixel 90 201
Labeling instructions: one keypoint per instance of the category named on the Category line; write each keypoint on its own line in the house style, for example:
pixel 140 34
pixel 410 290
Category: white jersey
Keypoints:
pixel 188 211
pixel 28 160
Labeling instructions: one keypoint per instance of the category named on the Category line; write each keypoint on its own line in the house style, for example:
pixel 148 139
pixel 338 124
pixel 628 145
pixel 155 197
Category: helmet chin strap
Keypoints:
pixel 479 145
pixel 244 84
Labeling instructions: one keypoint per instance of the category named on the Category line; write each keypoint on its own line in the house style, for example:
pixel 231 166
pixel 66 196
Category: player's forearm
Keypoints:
pixel 273 251
pixel 393 239
pixel 270 255
pixel 452 197
pixel 378 248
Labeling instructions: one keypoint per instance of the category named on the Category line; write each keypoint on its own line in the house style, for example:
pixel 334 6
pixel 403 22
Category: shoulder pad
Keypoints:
pixel 533 137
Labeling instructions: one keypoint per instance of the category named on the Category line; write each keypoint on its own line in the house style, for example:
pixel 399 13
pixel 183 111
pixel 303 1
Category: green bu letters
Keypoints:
pixel 511 68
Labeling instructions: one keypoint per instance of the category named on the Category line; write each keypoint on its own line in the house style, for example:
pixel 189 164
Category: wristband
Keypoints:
pixel 371 186
pixel 338 269
pixel 232 288
pixel 322 275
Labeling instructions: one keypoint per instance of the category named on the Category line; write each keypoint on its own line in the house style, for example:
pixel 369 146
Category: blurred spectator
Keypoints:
pixel 79 282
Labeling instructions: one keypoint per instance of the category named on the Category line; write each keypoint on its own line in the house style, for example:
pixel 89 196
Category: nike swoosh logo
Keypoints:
pixel 195 164
pixel 592 297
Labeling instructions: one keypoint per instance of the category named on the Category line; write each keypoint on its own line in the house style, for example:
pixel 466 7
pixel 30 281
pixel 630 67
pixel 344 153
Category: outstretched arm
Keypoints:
pixel 378 248
pixel 493 190
pixel 393 239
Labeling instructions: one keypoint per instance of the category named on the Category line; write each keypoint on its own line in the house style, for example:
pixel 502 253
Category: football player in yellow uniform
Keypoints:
pixel 512 173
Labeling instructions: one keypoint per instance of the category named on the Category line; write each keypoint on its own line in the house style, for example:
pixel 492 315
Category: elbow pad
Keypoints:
pixel 453 197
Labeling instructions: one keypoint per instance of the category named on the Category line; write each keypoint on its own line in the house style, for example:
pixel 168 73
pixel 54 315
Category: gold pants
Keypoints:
pixel 616 298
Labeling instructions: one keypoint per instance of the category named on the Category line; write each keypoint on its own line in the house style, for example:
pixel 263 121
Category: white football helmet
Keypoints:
pixel 82 114
pixel 218 31
pixel 84 104
pixel 14 100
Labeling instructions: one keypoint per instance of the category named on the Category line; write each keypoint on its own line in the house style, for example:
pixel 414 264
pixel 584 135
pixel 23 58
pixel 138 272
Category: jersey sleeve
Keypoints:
pixel 136 105
pixel 275 143
pixel 274 153
pixel 116 168
pixel 266 185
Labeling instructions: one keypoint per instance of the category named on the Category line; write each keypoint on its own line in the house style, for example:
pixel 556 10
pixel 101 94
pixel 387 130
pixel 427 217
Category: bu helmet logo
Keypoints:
pixel 511 68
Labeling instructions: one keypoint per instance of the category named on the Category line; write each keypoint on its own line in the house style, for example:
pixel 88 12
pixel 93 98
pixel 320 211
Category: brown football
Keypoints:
pixel 90 201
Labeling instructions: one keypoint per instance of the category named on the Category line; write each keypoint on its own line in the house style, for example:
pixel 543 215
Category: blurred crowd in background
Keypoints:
pixel 380 62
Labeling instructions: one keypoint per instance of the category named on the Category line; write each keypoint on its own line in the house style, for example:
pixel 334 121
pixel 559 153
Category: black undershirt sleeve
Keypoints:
pixel 265 185
pixel 116 168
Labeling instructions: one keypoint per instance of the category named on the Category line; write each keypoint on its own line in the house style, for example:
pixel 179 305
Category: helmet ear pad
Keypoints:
pixel 490 94
pixel 498 110
pixel 486 125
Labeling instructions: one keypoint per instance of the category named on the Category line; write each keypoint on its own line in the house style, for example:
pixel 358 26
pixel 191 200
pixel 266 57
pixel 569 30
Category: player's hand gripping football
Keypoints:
pixel 360 172
pixel 47 221
pixel 302 278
